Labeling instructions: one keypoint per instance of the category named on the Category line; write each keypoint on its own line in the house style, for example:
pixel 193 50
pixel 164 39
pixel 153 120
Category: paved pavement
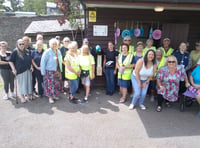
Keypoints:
pixel 101 123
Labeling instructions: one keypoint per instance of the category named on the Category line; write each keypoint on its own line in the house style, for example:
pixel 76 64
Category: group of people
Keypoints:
pixel 163 71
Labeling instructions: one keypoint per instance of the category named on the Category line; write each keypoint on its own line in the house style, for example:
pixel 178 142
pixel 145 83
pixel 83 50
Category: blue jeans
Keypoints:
pixel 73 84
pixel 138 92
pixel 110 80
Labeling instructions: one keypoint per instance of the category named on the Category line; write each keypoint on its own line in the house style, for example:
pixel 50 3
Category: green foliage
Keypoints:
pixel 38 6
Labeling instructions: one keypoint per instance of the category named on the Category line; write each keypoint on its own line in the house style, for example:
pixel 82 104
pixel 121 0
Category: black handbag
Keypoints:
pixel 84 73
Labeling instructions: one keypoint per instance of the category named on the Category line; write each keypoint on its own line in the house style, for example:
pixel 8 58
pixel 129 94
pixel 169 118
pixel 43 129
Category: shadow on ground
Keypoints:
pixel 97 103
pixel 170 122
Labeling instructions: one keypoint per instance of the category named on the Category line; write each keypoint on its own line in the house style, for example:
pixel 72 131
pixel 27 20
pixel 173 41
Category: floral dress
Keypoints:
pixel 170 82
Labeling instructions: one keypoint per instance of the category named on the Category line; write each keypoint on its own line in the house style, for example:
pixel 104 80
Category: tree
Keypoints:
pixel 38 6
pixel 71 10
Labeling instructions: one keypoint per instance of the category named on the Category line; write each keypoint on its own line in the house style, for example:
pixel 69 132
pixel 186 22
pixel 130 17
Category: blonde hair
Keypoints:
pixel 171 57
pixel 85 46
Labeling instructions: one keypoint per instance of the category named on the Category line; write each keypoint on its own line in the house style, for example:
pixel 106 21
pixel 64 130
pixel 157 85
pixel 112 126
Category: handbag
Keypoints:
pixel 84 73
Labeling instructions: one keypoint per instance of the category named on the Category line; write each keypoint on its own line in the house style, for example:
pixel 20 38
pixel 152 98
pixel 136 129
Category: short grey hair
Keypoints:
pixel 51 41
pixel 66 39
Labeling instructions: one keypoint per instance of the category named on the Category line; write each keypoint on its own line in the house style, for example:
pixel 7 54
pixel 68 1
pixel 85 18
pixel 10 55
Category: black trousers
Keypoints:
pixel 8 79
pixel 160 99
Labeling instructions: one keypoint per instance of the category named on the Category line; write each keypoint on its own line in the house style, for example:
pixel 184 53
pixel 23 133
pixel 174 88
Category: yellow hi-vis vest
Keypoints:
pixel 168 53
pixel 127 72
pixel 130 51
pixel 89 66
pixel 144 51
pixel 74 62
pixel 161 64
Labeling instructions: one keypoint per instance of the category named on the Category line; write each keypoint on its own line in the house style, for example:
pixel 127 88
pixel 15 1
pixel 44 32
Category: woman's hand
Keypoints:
pixel 115 72
pixel 14 72
pixel 140 85
pixel 162 88
pixel 187 84
pixel 31 69
pixel 78 73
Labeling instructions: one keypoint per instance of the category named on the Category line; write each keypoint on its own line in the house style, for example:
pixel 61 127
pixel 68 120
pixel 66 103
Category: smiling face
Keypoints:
pixel 124 49
pixel 150 56
pixel 171 62
pixel 158 55
pixel 183 47
pixel 20 44
pixel 110 46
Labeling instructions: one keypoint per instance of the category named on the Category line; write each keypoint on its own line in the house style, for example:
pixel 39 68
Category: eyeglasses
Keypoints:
pixel 171 61
pixel 127 40
pixel 21 44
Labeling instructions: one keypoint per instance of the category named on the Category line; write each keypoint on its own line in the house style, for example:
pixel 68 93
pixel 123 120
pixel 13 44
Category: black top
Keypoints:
pixel 21 63
pixel 6 59
pixel 63 50
pixel 111 58
pixel 183 59
pixel 36 56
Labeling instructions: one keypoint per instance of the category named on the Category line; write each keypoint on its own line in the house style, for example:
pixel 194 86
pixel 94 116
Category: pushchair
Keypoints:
pixel 187 99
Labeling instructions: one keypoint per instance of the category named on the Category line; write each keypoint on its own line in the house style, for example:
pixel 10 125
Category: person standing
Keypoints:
pixel 167 50
pixel 109 66
pixel 51 68
pixel 145 69
pixel 124 65
pixel 21 65
pixel 72 71
pixel 149 45
pixel 127 40
pixel 195 54
pixel 87 65
pixel 6 73
pixel 63 51
pixel 36 59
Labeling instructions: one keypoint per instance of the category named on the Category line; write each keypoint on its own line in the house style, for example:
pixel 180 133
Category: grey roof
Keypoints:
pixel 47 26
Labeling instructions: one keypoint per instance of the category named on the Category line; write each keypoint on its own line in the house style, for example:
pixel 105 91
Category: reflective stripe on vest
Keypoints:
pixel 127 62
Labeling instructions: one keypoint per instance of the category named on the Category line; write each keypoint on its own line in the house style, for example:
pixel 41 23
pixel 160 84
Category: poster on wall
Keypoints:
pixel 100 30
pixel 92 16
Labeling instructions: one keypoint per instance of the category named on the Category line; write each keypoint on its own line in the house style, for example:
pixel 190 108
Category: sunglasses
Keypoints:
pixel 21 44
pixel 127 40
pixel 66 41
pixel 171 61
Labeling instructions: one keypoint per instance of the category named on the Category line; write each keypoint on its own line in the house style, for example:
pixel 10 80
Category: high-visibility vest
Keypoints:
pixel 127 72
pixel 168 53
pixel 130 51
pixel 161 64
pixel 74 62
pixel 87 67
pixel 144 51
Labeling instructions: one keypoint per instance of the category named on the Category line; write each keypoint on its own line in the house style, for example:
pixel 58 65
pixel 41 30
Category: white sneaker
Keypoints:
pixel 5 97
pixel 85 99
pixel 131 106
pixel 13 95
pixel 51 101
pixel 152 99
pixel 142 107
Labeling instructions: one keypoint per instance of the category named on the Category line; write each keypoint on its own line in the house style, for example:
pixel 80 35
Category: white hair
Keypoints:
pixel 66 39
pixel 51 41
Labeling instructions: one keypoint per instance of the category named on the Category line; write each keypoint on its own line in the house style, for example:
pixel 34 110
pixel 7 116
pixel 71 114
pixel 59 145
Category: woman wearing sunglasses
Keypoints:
pixel 20 62
pixel 168 80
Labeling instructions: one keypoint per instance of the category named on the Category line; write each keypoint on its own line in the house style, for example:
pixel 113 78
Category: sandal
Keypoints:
pixel 159 109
